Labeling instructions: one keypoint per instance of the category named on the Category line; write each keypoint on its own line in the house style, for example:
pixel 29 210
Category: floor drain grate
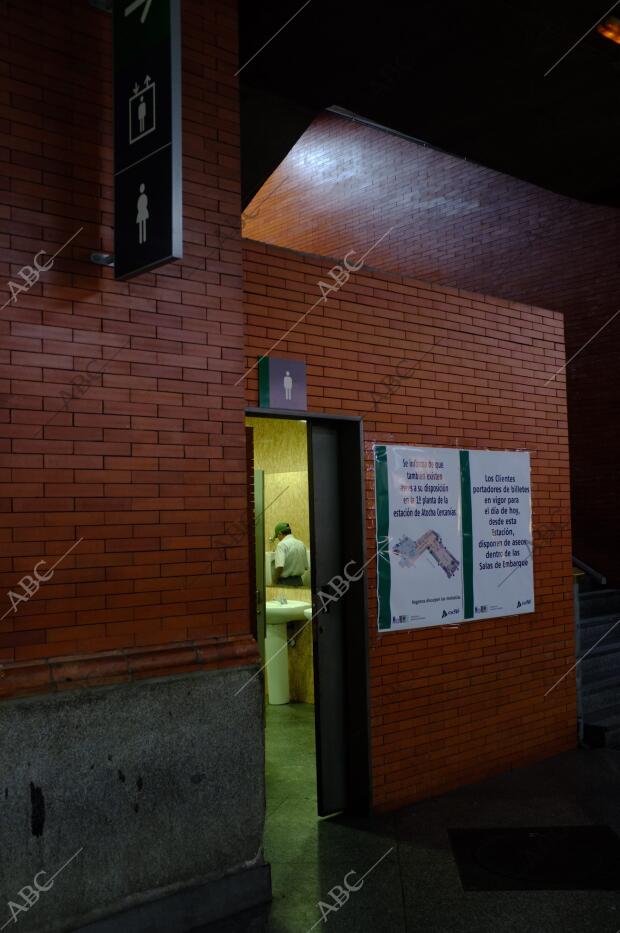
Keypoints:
pixel 551 858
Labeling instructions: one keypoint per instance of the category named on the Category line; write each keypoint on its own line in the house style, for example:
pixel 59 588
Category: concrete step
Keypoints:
pixel 599 669
pixel 593 629
pixel 599 694
pixel 602 661
pixel 599 602
pixel 602 729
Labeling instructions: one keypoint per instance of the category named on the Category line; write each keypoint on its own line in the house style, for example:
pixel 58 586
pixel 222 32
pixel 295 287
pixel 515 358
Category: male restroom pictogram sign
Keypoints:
pixel 147 135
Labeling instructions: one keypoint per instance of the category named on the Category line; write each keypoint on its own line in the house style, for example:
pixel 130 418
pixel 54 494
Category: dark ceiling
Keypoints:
pixel 466 77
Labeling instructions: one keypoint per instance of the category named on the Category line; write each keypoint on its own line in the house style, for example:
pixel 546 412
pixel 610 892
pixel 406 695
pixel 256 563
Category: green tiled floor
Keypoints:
pixel 309 855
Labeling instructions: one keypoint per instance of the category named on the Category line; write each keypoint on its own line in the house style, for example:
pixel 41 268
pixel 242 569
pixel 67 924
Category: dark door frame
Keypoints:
pixel 355 602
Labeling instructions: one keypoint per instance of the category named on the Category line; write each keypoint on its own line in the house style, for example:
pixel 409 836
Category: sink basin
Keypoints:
pixel 291 611
pixel 276 645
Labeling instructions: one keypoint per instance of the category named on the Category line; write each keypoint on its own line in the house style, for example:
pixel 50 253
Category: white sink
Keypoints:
pixel 290 611
pixel 276 645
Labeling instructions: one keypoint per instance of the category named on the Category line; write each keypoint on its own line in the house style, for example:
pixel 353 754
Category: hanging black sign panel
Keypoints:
pixel 148 227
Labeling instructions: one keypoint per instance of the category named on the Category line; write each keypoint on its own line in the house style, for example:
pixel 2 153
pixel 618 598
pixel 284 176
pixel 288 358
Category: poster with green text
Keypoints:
pixel 453 535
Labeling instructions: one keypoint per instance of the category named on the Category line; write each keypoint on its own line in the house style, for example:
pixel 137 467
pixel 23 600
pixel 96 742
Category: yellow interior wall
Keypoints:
pixel 286 500
pixel 300 667
pixel 281 451
pixel 279 442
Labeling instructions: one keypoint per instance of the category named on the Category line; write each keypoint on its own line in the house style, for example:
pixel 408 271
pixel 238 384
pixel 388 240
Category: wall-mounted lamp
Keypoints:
pixel 102 259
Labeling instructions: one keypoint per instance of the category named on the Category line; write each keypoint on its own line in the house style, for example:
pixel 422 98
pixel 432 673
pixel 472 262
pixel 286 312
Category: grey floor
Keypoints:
pixel 415 886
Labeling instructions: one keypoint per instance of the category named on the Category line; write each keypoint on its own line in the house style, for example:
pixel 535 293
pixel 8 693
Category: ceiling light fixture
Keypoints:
pixel 610 28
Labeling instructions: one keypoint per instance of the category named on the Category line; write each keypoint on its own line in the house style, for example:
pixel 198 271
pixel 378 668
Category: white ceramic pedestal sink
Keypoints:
pixel 276 647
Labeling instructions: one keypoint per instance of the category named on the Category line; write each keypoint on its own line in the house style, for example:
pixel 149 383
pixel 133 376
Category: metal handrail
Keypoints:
pixel 589 570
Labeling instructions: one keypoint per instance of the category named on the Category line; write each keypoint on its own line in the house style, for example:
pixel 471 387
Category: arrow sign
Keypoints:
pixel 135 5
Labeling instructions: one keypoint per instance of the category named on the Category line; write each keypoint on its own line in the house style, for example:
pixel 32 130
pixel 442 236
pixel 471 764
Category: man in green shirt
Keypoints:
pixel 291 560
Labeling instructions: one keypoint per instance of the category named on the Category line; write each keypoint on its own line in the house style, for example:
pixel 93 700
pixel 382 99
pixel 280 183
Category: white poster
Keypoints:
pixel 502 533
pixel 453 535
pixel 424 535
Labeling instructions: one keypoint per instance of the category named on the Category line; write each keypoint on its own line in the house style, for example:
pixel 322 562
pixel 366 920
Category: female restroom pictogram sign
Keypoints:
pixel 142 213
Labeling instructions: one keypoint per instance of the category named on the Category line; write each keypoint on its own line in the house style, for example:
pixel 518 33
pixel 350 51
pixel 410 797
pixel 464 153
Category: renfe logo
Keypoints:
pixel 523 602
pixel 449 612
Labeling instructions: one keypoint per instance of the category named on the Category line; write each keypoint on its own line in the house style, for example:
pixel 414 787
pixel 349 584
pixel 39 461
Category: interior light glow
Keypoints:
pixel 610 28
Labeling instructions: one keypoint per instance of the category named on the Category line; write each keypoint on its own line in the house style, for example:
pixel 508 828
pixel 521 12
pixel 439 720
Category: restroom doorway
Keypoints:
pixel 283 605
pixel 307 471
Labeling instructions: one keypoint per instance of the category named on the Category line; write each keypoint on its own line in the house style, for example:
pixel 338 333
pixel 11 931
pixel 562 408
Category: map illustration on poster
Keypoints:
pixel 453 535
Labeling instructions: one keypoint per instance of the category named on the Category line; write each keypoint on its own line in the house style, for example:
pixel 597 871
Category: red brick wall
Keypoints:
pixel 448 705
pixel 345 184
pixel 146 461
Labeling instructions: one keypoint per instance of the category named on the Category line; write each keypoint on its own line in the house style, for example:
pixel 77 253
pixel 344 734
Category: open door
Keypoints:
pixel 340 635
pixel 259 558
pixel 328 634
